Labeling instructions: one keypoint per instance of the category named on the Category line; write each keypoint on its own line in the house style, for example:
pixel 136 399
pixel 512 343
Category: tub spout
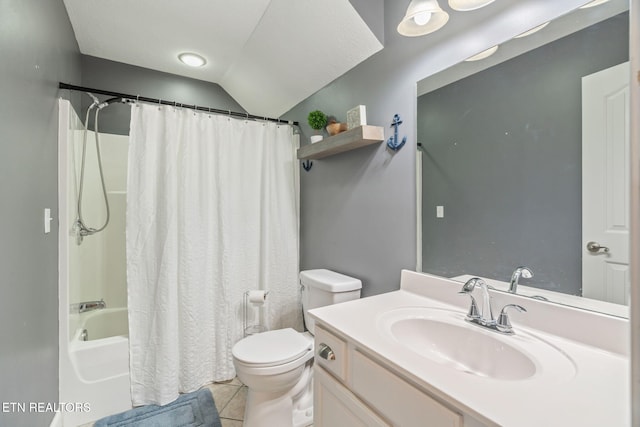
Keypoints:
pixel 82 307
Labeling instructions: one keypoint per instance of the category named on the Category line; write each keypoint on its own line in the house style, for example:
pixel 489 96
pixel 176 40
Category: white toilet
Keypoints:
pixel 276 366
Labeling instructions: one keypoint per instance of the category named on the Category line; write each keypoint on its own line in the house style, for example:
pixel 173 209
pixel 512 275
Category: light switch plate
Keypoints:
pixel 47 220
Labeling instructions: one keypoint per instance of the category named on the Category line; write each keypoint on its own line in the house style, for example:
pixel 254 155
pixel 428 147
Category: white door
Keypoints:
pixel 605 185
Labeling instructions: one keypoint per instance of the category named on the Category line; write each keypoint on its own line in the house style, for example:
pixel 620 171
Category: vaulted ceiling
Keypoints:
pixel 268 55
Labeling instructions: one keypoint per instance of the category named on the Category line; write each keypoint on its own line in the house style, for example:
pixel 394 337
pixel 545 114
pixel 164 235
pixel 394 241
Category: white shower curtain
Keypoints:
pixel 212 211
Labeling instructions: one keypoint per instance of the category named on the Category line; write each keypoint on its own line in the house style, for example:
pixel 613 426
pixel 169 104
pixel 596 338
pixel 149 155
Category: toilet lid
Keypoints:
pixel 272 347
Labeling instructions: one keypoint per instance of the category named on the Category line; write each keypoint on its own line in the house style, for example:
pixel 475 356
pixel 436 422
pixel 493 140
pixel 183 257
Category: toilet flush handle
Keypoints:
pixel 326 353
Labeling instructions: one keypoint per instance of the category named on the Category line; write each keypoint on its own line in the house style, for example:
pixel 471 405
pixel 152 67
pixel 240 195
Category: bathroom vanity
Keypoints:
pixel 409 358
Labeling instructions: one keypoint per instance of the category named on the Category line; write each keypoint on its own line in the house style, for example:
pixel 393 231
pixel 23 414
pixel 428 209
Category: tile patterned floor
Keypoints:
pixel 230 398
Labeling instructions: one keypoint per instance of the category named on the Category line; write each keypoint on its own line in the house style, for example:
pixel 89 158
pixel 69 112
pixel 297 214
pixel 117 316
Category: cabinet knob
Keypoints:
pixel 325 352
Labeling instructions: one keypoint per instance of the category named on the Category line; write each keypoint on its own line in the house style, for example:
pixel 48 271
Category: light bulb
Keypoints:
pixel 192 59
pixel 422 18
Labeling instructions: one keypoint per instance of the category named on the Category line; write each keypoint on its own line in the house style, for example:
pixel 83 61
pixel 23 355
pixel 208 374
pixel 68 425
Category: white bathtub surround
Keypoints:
pixel 592 390
pixel 97 266
pixel 212 211
pixel 96 371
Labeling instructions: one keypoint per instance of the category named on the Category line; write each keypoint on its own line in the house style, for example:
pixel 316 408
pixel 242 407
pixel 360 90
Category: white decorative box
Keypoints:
pixel 356 117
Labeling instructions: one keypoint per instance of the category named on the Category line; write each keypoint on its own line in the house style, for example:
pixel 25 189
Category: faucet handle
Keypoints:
pixel 503 324
pixel 473 312
pixel 468 287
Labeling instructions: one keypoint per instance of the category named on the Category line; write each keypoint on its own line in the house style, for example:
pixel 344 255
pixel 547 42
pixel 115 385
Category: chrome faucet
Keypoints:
pixel 485 317
pixel 515 277
pixel 82 307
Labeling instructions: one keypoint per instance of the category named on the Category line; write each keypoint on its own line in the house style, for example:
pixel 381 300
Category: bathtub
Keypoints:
pixel 96 371
pixel 104 353
pixel 102 323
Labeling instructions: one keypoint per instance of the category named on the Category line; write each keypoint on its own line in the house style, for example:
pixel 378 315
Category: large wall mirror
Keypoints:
pixel 524 162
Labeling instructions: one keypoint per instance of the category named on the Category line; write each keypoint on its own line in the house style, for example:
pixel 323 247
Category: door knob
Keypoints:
pixel 595 247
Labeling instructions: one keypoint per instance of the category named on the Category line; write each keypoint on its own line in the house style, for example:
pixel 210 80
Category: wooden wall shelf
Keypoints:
pixel 345 141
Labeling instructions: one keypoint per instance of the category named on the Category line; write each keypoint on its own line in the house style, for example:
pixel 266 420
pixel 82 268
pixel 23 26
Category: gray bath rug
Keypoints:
pixel 195 409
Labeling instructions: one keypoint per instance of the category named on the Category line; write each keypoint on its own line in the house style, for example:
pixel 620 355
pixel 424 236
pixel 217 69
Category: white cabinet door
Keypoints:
pixel 402 403
pixel 335 406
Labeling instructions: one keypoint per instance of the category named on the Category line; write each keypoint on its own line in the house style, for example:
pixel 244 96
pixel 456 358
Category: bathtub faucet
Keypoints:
pixel 81 307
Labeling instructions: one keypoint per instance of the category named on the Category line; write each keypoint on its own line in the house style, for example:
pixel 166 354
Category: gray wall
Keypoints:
pixel 503 156
pixel 358 209
pixel 38 49
pixel 129 79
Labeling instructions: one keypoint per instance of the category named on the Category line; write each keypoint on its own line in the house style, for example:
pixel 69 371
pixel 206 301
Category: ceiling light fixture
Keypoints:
pixel 422 17
pixel 593 3
pixel 467 5
pixel 192 59
pixel 531 31
pixel 484 54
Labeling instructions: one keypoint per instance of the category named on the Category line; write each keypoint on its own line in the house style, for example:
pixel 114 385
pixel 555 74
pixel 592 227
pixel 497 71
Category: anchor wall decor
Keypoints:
pixel 393 143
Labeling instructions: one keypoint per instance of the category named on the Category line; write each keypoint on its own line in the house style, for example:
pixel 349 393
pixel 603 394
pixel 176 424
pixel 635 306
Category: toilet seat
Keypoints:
pixel 272 348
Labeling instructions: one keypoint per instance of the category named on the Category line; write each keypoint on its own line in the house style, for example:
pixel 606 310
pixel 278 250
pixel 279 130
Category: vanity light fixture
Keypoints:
pixel 593 3
pixel 531 31
pixel 484 54
pixel 422 17
pixel 467 5
pixel 192 59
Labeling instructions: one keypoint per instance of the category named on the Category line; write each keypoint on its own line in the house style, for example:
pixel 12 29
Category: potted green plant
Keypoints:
pixel 317 120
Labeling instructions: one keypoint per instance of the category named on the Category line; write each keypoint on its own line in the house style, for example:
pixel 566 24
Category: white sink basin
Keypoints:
pixel 444 337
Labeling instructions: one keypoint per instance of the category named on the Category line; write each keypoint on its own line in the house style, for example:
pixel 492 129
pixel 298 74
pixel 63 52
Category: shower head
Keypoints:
pixel 101 105
pixel 109 102
pixel 96 101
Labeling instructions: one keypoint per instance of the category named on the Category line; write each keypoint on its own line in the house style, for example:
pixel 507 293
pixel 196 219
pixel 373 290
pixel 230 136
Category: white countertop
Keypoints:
pixel 598 394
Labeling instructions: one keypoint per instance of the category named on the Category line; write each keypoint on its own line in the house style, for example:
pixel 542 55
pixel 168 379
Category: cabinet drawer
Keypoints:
pixel 335 406
pixel 331 353
pixel 400 402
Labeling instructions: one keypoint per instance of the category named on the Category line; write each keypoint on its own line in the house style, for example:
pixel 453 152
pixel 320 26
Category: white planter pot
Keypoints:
pixel 316 138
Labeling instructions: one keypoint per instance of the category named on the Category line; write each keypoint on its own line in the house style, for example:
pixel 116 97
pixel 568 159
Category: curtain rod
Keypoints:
pixel 175 104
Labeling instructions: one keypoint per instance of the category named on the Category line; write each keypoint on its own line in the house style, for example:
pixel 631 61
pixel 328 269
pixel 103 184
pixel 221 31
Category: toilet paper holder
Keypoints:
pixel 252 301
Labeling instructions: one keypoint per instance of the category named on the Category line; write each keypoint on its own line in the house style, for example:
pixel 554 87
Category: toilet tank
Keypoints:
pixel 325 287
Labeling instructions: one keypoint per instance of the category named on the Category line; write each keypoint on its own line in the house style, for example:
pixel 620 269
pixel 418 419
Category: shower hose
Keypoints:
pixel 80 226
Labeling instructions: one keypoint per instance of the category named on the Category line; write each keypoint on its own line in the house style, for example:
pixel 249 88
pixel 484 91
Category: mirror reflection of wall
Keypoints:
pixel 502 156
